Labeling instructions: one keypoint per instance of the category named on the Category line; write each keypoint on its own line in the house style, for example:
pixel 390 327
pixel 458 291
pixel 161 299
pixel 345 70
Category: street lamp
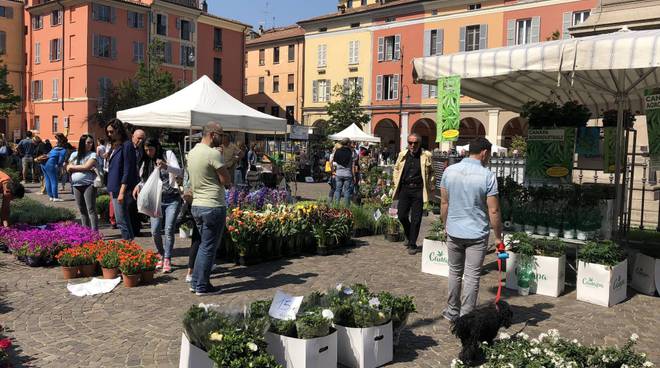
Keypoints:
pixel 190 60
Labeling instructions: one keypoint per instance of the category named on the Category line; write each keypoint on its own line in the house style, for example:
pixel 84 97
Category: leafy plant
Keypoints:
pixel 574 114
pixel 103 206
pixel 541 113
pixel 233 348
pixel 30 212
pixel 527 246
pixel 605 253
pixel 519 143
pixel 71 257
pixel 346 109
pixel 312 324
pixel 437 231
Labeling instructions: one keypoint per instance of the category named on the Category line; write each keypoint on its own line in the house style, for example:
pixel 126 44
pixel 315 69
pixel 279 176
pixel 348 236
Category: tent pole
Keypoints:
pixel 618 202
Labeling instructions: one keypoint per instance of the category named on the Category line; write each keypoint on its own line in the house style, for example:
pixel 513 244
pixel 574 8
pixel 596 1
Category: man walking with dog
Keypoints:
pixel 469 207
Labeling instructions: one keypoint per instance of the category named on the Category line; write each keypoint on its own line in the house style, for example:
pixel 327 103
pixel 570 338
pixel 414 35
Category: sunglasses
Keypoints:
pixel 413 143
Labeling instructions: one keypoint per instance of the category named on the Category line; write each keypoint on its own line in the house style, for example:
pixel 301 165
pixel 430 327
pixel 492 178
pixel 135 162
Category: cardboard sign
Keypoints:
pixel 290 352
pixel 602 285
pixel 643 274
pixel 365 347
pixel 284 306
pixel 435 259
pixel 549 275
pixel 377 215
pixel 550 155
pixel 191 356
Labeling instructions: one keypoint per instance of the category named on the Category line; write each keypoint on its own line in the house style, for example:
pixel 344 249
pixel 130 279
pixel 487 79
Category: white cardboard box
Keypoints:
pixel 643 275
pixel 435 258
pixel 193 357
pixel 290 352
pixel 365 347
pixel 602 285
pixel 549 275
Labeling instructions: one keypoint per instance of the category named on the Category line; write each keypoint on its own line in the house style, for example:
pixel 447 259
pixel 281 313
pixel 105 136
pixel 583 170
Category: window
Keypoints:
pixel 390 19
pixel 387 87
pixel 476 6
pixel 323 29
pixel 54 124
pixel 275 111
pixel 434 42
pixel 580 17
pixel 290 85
pixel 322 52
pixel 217 38
pixel 55 49
pixel 104 46
pixel 187 55
pixel 389 48
pixel 138 52
pixel 276 84
pixel 276 55
pixel 353 52
pixel 37 22
pixel 36 123
pixel 262 82
pixel 166 52
pixel 355 25
pixel 37 53
pixel 288 113
pixel 3 42
pixel 37 90
pixel 161 24
pixel 103 13
pixel 217 71
pixel 523 31
pixel 135 20
pixel 105 85
pixel 6 12
pixel 363 2
pixel 261 108
pixel 349 4
pixel 262 57
pixel 472 38
pixel 56 18
pixel 186 28
pixel 292 53
pixel 56 88
pixel 321 90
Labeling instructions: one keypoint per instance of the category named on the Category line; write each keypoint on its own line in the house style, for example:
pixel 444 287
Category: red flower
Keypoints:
pixel 5 344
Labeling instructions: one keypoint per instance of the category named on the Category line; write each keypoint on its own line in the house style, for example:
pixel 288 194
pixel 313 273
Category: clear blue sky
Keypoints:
pixel 285 12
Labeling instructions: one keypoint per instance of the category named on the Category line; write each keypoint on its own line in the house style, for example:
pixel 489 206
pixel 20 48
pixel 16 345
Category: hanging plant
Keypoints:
pixel 610 118
pixel 540 114
pixel 574 114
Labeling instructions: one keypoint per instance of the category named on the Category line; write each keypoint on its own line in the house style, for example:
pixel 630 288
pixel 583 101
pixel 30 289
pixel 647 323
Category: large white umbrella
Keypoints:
pixel 354 134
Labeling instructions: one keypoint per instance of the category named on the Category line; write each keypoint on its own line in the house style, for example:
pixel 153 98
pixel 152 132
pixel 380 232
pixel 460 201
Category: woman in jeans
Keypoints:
pixel 155 158
pixel 82 168
pixel 52 167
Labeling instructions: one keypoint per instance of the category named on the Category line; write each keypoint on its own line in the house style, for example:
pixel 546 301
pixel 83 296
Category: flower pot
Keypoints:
pixel 507 224
pixel 530 229
pixel 542 230
pixel 70 272
pixel 553 232
pixel 523 291
pixel 320 352
pixel 87 270
pixel 131 280
pixel 193 357
pixel 242 261
pixel 365 347
pixel 569 234
pixel 110 273
pixel 602 285
pixel 549 275
pixel 33 261
pixel 148 276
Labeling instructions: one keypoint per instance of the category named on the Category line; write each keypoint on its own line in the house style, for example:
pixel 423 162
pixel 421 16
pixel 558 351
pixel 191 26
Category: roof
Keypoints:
pixel 226 19
pixel 51 3
pixel 278 34
pixel 612 15
pixel 360 10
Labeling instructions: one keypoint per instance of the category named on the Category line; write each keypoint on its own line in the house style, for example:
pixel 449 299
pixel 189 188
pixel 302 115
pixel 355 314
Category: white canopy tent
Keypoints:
pixel 493 149
pixel 199 103
pixel 609 71
pixel 354 134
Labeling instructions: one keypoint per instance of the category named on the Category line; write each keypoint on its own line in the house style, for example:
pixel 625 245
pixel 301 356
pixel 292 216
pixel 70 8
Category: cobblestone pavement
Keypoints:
pixel 141 327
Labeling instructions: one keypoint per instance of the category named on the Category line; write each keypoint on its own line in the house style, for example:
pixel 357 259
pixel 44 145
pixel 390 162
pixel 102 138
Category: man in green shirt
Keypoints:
pixel 208 176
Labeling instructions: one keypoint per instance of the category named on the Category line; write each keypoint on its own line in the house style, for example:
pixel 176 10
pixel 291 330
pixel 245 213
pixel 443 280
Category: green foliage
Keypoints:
pixel 13 174
pixel 437 231
pixel 345 110
pixel 363 218
pixel 519 143
pixel 647 236
pixel 8 100
pixel 30 212
pixel 312 324
pixel 400 307
pixel 605 253
pixel 542 114
pixel 574 114
pixel 103 206
pixel 527 246
pixel 239 349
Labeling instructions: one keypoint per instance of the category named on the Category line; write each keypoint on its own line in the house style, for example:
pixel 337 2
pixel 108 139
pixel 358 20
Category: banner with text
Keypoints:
pixel 652 106
pixel 449 115
pixel 550 155
pixel 609 149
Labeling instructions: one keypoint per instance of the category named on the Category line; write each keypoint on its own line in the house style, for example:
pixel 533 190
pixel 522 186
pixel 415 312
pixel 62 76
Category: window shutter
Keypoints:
pixel 350 52
pixel 136 48
pixel 511 32
pixel 182 52
pixel 164 18
pixel 192 26
pixel 130 19
pixel 3 43
pixel 50 50
pixel 360 84
pixel 37 53
pixel 113 45
pixel 440 42
pixel 95 12
pixel 427 42
pixel 113 15
pixel 55 88
pixel 536 28
pixel 379 88
pixel 178 23
pixel 95 47
pixel 566 22
pixel 140 20
pixel 327 90
pixel 9 12
pixel 395 87
pixel 425 91
pixel 315 91
pixel 483 36
pixel 381 48
pixel 461 42
pixel 433 91
pixel 168 52
pixel 60 43
pixel 397 47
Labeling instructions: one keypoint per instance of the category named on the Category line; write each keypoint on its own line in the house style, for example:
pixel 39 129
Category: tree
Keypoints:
pixel 150 83
pixel 346 110
pixel 519 144
pixel 8 100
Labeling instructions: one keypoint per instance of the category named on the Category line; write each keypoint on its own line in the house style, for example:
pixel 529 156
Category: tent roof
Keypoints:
pixel 355 134
pixel 592 70
pixel 196 105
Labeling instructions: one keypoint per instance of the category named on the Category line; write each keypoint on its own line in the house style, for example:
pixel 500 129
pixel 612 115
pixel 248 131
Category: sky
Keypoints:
pixel 271 12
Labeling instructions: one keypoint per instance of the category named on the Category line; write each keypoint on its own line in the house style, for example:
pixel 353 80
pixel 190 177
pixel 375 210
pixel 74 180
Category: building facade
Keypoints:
pixel 11 54
pixel 274 77
pixel 77 49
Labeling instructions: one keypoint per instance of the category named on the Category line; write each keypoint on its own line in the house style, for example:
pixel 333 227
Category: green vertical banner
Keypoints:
pixel 609 149
pixel 550 155
pixel 652 106
pixel 449 102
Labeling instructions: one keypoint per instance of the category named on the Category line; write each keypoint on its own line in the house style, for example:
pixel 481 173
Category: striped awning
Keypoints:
pixel 592 70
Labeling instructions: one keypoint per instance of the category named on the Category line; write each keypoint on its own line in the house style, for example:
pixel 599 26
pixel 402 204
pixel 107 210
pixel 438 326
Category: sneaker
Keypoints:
pixel 449 318
pixel 167 266
pixel 412 250
pixel 159 264
pixel 191 289
pixel 211 291
pixel 188 278
pixel 58 200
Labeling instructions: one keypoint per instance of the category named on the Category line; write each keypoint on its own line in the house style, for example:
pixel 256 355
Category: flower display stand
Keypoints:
pixel 290 352
pixel 435 258
pixel 193 357
pixel 644 274
pixel 602 285
pixel 365 347
pixel 549 274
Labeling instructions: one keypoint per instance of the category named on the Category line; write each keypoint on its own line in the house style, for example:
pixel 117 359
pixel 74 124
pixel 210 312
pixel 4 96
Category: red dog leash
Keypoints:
pixel 501 254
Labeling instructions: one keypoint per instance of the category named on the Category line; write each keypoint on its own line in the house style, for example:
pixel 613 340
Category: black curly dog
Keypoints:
pixel 478 326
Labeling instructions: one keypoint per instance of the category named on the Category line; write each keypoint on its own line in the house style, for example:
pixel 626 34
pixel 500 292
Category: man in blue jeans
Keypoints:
pixel 208 177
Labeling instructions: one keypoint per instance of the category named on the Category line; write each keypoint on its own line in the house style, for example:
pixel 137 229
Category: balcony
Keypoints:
pixel 187 3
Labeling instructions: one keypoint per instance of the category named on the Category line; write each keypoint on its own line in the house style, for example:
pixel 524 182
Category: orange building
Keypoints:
pixel 76 49
pixel 274 72
pixel 11 54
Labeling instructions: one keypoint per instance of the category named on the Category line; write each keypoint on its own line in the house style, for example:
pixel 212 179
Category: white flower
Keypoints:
pixel 252 346
pixel 553 333
pixel 535 342
pixel 524 336
pixel 535 351
pixel 511 365
pixel 504 336
pixel 574 341
pixel 339 287
pixel 634 337
pixel 647 364
pixel 374 302
pixel 542 336
pixel 215 336
pixel 624 366
pixel 604 359
pixel 327 314
pixel 348 291
pixel 500 357
pixel 455 363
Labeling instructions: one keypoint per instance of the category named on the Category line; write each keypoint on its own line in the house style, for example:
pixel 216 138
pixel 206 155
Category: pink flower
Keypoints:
pixel 5 344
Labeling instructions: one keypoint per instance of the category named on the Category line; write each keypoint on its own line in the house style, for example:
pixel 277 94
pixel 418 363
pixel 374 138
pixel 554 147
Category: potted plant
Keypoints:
pixel 573 114
pixel 130 265
pixel 88 261
pixel 391 228
pixel 434 250
pixel 590 220
pixel 518 217
pixel 540 114
pixel 69 259
pixel 536 266
pixel 569 220
pixel 602 273
pixel 149 260
pixel 531 219
pixel 108 258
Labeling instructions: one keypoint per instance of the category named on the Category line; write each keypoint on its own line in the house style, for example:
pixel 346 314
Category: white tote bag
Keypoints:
pixel 148 201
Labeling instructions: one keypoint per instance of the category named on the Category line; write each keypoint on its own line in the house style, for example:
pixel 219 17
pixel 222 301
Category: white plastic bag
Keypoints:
pixel 148 201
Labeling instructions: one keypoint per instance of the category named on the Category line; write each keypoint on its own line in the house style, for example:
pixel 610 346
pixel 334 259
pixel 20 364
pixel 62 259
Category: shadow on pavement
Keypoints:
pixel 410 345
pixel 263 283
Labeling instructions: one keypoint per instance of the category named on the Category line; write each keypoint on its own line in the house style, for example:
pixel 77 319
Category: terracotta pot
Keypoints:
pixel 131 280
pixel 87 270
pixel 110 273
pixel 148 276
pixel 70 272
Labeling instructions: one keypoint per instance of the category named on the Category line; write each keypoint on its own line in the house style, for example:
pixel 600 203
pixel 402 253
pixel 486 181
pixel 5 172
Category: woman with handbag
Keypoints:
pixel 82 168
pixel 155 158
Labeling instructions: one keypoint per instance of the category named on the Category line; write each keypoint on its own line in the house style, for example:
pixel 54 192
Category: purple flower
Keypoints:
pixel 47 240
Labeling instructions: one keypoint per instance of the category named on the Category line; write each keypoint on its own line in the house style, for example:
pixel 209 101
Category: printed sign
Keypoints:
pixel 377 214
pixel 449 102
pixel 435 259
pixel 284 306
pixel 609 149
pixel 299 132
pixel 550 155
pixel 652 105
pixel 602 285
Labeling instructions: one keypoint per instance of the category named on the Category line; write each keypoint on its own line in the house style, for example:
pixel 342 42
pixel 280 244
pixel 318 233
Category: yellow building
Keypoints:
pixel 12 55
pixel 274 72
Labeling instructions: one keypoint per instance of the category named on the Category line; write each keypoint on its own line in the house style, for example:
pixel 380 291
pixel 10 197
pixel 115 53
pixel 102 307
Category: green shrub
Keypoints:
pixel 103 206
pixel 605 253
pixel 13 174
pixel 30 212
